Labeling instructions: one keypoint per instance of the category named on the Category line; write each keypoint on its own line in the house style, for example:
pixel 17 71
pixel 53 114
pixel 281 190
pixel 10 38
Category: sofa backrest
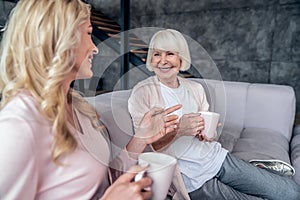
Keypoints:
pixel 251 105
pixel 113 111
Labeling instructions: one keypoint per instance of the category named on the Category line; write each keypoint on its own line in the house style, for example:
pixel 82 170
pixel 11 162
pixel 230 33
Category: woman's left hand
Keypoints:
pixel 203 137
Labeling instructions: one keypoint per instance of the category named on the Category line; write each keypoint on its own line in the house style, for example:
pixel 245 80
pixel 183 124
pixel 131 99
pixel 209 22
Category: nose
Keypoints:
pixel 95 49
pixel 163 59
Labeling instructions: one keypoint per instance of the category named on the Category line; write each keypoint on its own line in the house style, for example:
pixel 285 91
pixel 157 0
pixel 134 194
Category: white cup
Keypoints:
pixel 211 120
pixel 161 170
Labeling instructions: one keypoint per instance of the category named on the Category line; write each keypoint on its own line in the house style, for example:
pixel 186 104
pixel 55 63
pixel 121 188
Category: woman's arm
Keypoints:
pixel 155 125
pixel 17 157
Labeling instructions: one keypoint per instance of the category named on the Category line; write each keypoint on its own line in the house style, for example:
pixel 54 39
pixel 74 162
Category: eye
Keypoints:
pixel 156 54
pixel 171 53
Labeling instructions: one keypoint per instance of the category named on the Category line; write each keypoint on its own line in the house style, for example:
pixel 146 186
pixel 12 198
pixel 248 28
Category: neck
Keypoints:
pixel 170 83
pixel 66 86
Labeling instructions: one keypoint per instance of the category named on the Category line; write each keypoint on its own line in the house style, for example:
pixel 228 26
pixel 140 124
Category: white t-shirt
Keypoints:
pixel 198 161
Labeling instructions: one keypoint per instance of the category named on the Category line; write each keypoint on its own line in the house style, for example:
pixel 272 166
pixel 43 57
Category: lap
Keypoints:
pixel 215 189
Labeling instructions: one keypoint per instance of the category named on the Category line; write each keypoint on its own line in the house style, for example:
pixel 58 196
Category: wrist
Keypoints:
pixel 179 133
pixel 136 146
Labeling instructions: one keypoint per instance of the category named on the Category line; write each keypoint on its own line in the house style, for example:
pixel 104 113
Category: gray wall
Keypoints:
pixel 5 8
pixel 252 41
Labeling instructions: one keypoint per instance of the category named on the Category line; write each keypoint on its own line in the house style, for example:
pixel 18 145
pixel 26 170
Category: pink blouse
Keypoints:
pixel 26 168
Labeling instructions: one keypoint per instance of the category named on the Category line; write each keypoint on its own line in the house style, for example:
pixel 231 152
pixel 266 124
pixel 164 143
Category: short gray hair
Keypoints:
pixel 170 40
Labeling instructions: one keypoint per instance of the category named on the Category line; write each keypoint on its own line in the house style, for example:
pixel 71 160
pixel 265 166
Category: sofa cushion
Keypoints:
pixel 229 136
pixel 260 143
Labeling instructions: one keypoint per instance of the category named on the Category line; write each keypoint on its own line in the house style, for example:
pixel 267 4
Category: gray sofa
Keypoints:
pixel 257 119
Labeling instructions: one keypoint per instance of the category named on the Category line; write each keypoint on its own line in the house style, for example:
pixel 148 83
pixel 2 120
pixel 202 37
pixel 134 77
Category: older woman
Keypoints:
pixel 46 127
pixel 208 171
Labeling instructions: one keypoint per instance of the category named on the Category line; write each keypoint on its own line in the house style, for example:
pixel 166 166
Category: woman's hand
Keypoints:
pixel 190 125
pixel 125 188
pixel 156 123
pixel 203 137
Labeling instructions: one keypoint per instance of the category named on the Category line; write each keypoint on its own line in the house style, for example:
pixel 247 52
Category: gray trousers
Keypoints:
pixel 240 180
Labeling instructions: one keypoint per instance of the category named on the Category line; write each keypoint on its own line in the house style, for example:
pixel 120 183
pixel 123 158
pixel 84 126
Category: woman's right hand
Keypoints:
pixel 125 188
pixel 157 123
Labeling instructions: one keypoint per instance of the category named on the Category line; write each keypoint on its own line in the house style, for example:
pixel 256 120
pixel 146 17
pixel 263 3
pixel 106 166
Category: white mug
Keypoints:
pixel 161 170
pixel 211 120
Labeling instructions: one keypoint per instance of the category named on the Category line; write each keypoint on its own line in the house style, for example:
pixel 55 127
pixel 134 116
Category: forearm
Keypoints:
pixel 135 146
pixel 165 141
pixel 128 156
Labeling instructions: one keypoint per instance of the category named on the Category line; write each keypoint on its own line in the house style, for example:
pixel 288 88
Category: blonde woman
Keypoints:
pixel 207 171
pixel 45 125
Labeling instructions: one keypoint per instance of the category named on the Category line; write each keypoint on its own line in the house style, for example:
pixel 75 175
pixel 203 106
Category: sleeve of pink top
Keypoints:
pixel 18 173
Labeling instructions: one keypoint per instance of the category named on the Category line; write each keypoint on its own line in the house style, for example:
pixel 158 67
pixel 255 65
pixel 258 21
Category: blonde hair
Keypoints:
pixel 169 40
pixel 37 53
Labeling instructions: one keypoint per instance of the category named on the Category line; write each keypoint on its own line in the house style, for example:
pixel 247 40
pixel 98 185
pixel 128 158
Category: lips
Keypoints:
pixel 164 68
pixel 90 59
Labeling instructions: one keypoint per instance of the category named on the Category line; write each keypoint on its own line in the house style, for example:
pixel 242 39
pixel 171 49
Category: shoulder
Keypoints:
pixel 145 94
pixel 148 85
pixel 23 105
pixel 17 137
pixel 21 118
pixel 191 83
pixel 19 147
pixel 18 160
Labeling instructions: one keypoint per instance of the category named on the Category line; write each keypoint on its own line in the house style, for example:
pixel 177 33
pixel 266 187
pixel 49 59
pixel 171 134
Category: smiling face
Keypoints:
pixel 84 52
pixel 166 65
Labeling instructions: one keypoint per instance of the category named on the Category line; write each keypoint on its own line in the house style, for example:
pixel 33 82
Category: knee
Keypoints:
pixel 294 193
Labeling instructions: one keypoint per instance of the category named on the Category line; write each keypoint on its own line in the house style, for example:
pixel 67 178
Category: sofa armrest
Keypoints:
pixel 295 153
